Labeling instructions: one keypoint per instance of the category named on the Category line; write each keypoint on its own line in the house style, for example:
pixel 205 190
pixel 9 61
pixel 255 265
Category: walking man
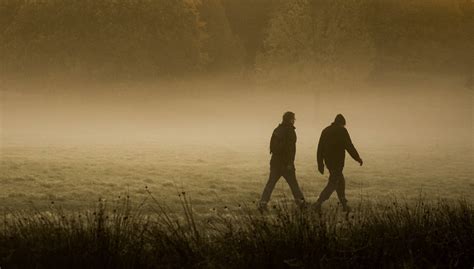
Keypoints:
pixel 333 143
pixel 283 150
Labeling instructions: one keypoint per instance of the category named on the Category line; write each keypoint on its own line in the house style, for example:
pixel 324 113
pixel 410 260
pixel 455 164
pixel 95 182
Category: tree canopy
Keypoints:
pixel 168 38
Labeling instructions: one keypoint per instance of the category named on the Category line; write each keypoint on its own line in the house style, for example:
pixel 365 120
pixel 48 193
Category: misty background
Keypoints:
pixel 225 71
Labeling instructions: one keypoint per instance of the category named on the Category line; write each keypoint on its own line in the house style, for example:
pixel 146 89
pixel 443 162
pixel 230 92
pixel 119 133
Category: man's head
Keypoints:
pixel 340 120
pixel 289 118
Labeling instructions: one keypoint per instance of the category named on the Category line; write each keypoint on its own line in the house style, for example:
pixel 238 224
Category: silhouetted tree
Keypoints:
pixel 101 37
pixel 248 20
pixel 420 36
pixel 223 48
pixel 325 38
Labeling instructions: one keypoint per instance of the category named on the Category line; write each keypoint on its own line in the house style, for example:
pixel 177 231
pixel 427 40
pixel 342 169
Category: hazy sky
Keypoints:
pixel 230 112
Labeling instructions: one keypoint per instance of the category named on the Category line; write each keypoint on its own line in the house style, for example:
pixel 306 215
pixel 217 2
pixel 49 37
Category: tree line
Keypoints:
pixel 174 38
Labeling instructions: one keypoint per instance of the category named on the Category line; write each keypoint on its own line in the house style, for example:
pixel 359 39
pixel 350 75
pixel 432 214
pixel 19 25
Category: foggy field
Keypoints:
pixel 63 151
pixel 76 148
pixel 214 177
pixel 412 209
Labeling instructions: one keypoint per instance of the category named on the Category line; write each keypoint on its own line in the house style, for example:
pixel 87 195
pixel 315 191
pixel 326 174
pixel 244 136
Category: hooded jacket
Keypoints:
pixel 332 146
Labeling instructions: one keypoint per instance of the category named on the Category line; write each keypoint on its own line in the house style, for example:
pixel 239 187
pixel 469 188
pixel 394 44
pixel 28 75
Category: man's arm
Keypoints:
pixel 272 143
pixel 350 147
pixel 320 154
pixel 290 148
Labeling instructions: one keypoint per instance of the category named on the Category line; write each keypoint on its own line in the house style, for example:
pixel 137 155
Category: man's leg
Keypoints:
pixel 267 191
pixel 341 189
pixel 290 176
pixel 327 191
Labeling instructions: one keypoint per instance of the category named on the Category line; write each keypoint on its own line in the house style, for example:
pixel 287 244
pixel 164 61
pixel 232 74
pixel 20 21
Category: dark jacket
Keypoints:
pixel 333 143
pixel 283 146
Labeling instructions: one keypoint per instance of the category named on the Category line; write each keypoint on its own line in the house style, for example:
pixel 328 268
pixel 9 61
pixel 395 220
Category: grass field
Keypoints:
pixel 419 234
pixel 76 177
pixel 193 206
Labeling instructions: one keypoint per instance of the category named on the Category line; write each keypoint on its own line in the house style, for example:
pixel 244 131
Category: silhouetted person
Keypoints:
pixel 283 150
pixel 333 143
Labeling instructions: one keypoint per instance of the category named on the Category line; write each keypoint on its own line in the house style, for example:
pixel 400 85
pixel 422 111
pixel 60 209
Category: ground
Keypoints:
pixel 215 177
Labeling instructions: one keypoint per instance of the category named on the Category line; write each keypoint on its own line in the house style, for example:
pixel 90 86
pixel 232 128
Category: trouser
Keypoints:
pixel 336 183
pixel 290 177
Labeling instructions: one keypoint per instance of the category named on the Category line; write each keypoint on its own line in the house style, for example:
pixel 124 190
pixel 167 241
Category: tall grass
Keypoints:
pixel 118 235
